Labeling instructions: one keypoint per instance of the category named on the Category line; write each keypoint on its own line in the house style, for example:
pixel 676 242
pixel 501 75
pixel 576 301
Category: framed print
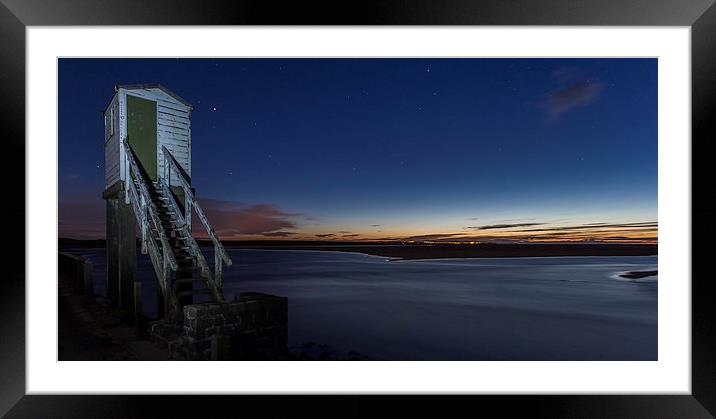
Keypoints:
pixel 472 199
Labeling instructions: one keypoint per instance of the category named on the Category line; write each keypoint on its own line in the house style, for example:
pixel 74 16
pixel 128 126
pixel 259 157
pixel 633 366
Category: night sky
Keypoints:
pixel 410 149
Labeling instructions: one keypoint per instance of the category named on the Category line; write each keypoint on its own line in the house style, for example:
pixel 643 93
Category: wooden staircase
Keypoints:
pixel 166 235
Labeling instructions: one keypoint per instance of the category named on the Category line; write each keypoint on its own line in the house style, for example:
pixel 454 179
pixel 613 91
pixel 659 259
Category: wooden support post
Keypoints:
pixel 127 248
pixel 138 310
pixel 121 250
pixel 112 244
pixel 161 304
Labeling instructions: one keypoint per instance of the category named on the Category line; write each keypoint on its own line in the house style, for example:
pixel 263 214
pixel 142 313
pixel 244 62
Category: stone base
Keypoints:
pixel 254 326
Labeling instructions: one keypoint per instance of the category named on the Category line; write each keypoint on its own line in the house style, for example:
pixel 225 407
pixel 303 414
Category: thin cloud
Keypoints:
pixel 574 96
pixel 230 218
pixel 595 226
pixel 325 235
pixel 279 234
pixel 85 219
pixel 502 226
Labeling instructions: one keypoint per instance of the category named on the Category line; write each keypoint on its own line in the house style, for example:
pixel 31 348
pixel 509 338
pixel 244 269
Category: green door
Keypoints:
pixel 142 132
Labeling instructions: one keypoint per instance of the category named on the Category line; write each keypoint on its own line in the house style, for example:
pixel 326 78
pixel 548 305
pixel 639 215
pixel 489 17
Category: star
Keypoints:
pixel 427 69
pixel 214 108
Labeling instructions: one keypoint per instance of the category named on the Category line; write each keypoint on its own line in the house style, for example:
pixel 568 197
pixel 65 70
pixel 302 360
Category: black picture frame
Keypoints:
pixel 15 15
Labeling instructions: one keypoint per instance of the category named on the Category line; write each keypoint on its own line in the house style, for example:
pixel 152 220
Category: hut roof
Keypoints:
pixel 150 86
pixel 153 86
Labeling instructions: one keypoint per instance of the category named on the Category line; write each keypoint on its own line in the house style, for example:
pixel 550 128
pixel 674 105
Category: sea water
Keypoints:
pixel 546 308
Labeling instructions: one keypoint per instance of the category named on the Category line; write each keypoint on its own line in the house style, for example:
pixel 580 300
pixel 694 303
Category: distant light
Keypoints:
pixel 214 108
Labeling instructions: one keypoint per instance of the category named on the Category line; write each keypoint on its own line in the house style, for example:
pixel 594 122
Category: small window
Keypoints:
pixel 109 123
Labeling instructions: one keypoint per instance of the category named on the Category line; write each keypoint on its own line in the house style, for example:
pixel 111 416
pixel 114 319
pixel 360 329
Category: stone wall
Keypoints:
pixel 78 269
pixel 253 326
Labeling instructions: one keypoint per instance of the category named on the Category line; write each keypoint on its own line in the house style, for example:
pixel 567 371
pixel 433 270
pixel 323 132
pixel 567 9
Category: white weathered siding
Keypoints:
pixel 173 132
pixel 111 144
pixel 173 128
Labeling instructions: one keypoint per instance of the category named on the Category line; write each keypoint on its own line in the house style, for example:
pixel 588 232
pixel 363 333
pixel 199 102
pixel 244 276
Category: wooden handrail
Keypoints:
pixel 189 195
pixel 150 205
pixel 195 250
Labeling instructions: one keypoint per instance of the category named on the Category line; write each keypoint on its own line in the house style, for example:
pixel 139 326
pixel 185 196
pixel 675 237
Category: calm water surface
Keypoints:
pixel 558 308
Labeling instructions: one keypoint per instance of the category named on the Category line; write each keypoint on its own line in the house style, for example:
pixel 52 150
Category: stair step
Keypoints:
pixel 188 280
pixel 194 292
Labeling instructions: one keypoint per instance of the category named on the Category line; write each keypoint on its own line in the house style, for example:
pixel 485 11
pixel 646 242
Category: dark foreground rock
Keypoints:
pixel 638 274
pixel 312 351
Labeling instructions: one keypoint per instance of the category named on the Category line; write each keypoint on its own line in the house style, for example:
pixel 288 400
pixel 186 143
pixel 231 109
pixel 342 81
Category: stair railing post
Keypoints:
pixel 167 171
pixel 143 208
pixel 217 266
pixel 165 282
pixel 187 210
